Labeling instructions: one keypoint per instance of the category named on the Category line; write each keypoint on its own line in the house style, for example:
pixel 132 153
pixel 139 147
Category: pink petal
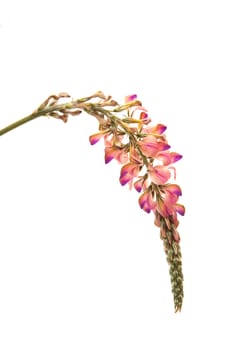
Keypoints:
pixel 175 157
pixel 128 172
pixel 109 154
pixel 130 98
pixel 159 174
pixel 150 146
pixel 164 157
pixel 180 209
pixel 138 185
pixel 124 179
pixel 159 129
pixel 170 198
pixel 146 202
pixel 173 188
pixel 108 142
pixel 135 157
pixel 115 153
pixel 174 171
pixel 131 168
pixel 95 138
pixel 163 208
pixel 143 116
pixel 168 157
pixel 121 156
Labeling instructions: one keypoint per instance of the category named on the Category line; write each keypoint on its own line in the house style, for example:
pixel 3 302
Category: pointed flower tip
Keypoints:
pixel 160 128
pixel 143 115
pixel 138 186
pixel 144 118
pixel 164 146
pixel 108 158
pixel 124 180
pixel 174 188
pixel 176 157
pixel 130 98
pixel 93 139
pixel 180 209
pixel 146 202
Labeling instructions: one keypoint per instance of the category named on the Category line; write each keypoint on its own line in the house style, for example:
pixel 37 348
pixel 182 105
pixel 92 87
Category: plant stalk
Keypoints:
pixel 19 123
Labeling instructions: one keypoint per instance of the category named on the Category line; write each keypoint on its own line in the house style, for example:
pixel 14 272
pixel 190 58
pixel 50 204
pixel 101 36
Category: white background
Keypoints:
pixel 81 266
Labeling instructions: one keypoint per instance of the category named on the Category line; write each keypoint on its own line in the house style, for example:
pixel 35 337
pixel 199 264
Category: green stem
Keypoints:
pixel 42 112
pixel 19 123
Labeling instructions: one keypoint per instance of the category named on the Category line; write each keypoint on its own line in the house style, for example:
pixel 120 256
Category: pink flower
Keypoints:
pixel 173 188
pixel 150 146
pixel 168 157
pixel 167 205
pixel 157 129
pixel 140 184
pixel 113 140
pixel 96 137
pixel 128 172
pixel 159 174
pixel 135 157
pixel 116 153
pixel 146 201
pixel 171 193
pixel 163 208
pixel 130 98
pixel 180 209
pixel 144 118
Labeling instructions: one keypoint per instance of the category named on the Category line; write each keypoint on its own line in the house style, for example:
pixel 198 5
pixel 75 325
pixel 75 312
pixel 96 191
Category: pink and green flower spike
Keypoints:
pixel 145 158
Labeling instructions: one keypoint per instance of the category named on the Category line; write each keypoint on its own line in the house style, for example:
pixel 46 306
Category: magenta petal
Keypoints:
pixel 108 159
pixel 95 138
pixel 143 205
pixel 130 98
pixel 141 202
pixel 138 186
pixel 160 128
pixel 163 146
pixel 123 172
pixel 146 202
pixel 147 210
pixel 124 179
pixel 175 157
pixel 173 188
pixel 108 155
pixel 143 116
pixel 180 209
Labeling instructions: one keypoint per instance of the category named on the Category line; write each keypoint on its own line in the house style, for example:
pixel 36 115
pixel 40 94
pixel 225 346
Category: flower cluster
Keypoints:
pixel 147 166
pixel 145 156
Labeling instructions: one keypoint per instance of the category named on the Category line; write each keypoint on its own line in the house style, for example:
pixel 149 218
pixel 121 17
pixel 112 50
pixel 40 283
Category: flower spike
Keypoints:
pixel 145 158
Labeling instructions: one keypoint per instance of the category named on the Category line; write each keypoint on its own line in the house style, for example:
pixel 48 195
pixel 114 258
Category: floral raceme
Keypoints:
pixel 147 166
pixel 147 162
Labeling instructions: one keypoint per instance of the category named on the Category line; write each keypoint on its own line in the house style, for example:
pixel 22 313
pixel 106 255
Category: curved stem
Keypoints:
pixel 38 113
pixel 19 123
